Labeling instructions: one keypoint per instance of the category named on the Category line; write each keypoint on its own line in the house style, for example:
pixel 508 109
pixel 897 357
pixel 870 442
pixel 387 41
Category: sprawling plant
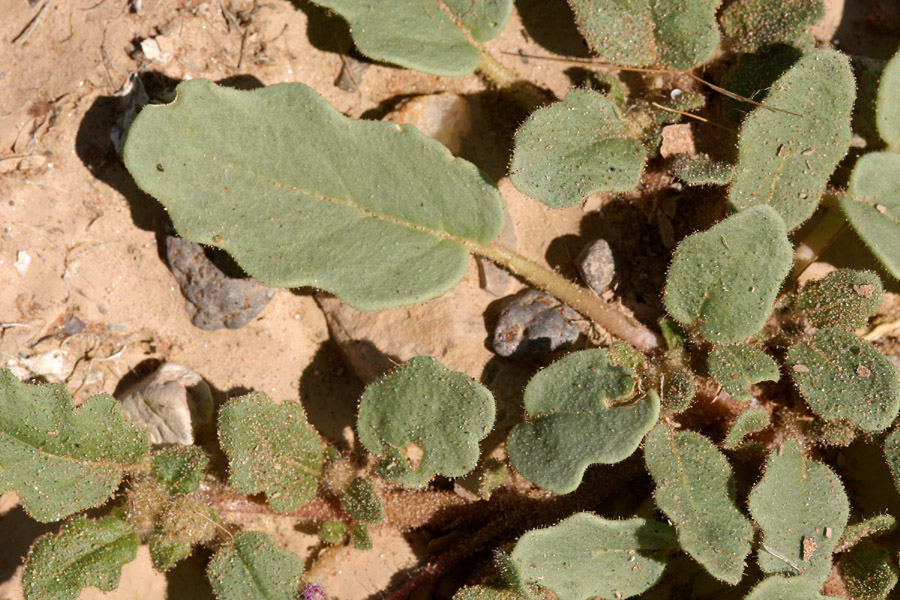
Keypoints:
pixel 716 429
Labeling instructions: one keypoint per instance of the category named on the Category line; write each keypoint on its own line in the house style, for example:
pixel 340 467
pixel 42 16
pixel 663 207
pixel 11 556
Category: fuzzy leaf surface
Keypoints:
pixel 724 280
pixel 695 489
pixel 83 553
pixel 180 469
pixel 868 572
pixel 575 148
pixel 423 408
pixel 738 366
pixel 362 503
pixel 785 160
pixel 573 421
pixel 587 556
pixel 802 509
pixel 301 195
pixel 844 377
pixel 701 170
pixel 419 34
pixel 749 421
pixel 253 568
pixel 873 206
pixel 786 588
pixel 892 454
pixel 641 33
pixel 843 298
pixel 678 389
pixel 271 448
pixel 887 117
pixel 60 459
pixel 753 25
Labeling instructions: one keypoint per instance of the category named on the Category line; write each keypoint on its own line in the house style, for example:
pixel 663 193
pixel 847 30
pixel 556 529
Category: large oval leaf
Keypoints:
pixel 574 421
pixel 784 159
pixel 724 281
pixel 575 148
pixel 423 419
pixel 887 117
pixel 426 35
pixel 872 206
pixel 801 508
pixel 695 489
pixel 253 568
pixel 299 194
pixel 587 556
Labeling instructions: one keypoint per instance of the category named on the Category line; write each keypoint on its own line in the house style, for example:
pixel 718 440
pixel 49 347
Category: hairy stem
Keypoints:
pixel 528 96
pixel 828 230
pixel 577 297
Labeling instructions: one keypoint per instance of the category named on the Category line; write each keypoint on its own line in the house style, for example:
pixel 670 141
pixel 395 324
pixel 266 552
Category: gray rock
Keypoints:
pixel 174 403
pixel 534 324
pixel 214 299
pixel 597 265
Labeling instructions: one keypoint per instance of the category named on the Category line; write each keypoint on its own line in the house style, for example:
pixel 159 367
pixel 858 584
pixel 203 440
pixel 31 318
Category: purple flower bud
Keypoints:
pixel 314 591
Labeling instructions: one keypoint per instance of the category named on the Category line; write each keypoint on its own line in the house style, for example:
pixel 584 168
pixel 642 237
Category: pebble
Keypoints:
pixel 214 299
pixel 174 403
pixel 597 265
pixel 534 324
pixel 445 117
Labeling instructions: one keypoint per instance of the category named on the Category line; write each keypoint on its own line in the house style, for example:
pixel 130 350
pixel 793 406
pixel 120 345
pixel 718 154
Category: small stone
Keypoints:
pixel 677 140
pixel 534 324
pixel 597 265
pixel 174 403
pixel 444 117
pixel 214 299
pixel 864 290
pixel 800 369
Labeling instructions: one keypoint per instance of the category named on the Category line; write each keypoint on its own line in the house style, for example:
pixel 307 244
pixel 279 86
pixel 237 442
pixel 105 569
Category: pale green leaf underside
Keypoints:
pixel 83 553
pixel 422 403
pixel 271 448
pixel 419 34
pixel 844 377
pixel 575 148
pixel 737 366
pixel 844 298
pixel 253 568
pixel 798 503
pixel 785 160
pixel 786 588
pixel 724 280
pixel 868 572
pixel 887 117
pixel 299 194
pixel 58 459
pixel 587 556
pixel 573 421
pixel 695 489
pixel 640 33
pixel 873 206
pixel 749 421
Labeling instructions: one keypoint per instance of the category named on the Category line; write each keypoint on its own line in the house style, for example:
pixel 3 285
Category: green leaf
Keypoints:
pixel 641 33
pixel 868 572
pixel 574 148
pixel 574 420
pixel 887 117
pixel 310 197
pixel 334 533
pixel 695 489
pixel 361 538
pixel 272 449
pixel 853 534
pixel 701 170
pixel 802 509
pixel 478 592
pixel 166 553
pixel 423 419
pixel 678 389
pixel 749 421
pixel 253 568
pixel 180 469
pixel 724 280
pixel 844 377
pixel 892 454
pixel 421 34
pixel 873 206
pixel 785 160
pixel 753 25
pixel 83 553
pixel 362 503
pixel 587 556
pixel 58 459
pixel 843 298
pixel 738 366
pixel 790 588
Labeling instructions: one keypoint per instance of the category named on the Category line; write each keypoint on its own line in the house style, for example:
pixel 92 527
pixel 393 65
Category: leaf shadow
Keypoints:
pixel 18 532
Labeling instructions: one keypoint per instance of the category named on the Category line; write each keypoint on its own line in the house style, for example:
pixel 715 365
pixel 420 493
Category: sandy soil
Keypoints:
pixel 79 241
